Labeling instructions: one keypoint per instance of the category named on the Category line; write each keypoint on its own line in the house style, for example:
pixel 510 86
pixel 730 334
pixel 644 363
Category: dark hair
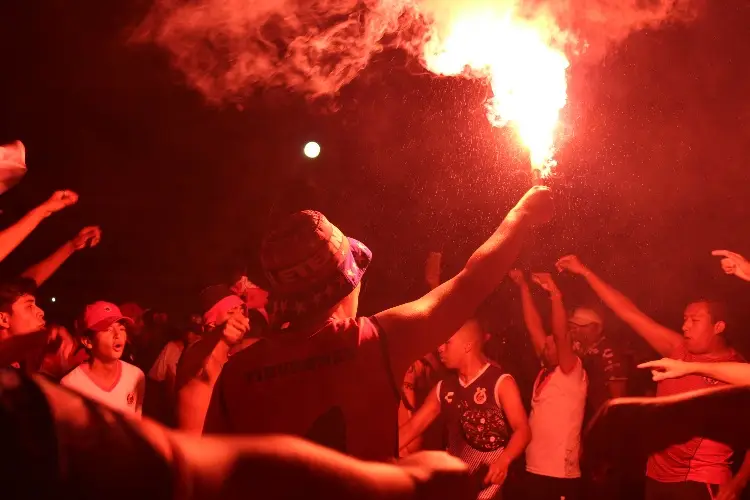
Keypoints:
pixel 717 309
pixel 12 290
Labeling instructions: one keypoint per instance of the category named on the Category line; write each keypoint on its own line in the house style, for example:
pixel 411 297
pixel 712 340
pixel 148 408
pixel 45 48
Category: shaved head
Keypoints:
pixel 471 331
pixel 467 341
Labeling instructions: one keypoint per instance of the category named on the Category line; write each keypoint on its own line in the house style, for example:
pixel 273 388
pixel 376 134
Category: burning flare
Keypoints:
pixel 526 72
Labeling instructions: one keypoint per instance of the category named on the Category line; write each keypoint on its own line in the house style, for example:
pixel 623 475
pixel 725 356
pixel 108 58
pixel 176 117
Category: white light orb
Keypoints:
pixel 311 149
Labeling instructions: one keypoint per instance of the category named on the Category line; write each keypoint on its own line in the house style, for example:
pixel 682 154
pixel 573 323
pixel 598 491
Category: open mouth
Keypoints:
pixel 117 347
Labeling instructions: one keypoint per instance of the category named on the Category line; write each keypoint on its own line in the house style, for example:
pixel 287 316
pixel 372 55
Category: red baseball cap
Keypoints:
pixel 101 315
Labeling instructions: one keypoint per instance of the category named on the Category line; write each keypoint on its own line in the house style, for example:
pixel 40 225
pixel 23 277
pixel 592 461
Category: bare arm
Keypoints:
pixel 530 314
pixel 510 399
pixel 566 358
pixel 727 372
pixel 41 271
pixel 11 237
pixel 147 460
pixel 421 420
pixel 631 428
pixel 417 327
pixel 733 489
pixel 408 396
pixel 661 338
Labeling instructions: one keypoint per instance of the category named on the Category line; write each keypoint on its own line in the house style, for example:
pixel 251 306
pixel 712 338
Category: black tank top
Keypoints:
pixel 477 428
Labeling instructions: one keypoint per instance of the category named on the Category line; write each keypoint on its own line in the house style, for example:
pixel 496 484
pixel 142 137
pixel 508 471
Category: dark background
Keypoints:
pixel 653 175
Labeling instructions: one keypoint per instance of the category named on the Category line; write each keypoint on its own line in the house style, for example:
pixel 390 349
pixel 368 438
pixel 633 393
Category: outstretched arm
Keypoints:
pixel 728 372
pixel 418 327
pixel 11 237
pixel 41 271
pixel 149 461
pixel 631 428
pixel 661 338
pixel 733 263
pixel 530 314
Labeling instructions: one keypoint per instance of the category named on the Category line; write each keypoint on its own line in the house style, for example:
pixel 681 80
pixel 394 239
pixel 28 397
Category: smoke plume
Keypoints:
pixel 228 48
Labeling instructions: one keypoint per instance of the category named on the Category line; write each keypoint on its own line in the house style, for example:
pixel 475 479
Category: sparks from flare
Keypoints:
pixel 526 73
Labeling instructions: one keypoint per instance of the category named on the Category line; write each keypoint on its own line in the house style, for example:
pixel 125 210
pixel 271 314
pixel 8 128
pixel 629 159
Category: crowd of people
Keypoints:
pixel 289 393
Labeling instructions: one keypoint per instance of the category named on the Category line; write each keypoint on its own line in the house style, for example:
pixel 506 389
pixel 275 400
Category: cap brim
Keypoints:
pixel 107 322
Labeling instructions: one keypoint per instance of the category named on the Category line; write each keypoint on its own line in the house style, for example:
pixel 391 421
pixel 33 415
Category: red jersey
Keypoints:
pixel 699 459
pixel 333 386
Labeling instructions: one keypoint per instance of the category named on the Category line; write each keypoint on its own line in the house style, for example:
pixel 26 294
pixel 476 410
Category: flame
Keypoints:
pixel 526 72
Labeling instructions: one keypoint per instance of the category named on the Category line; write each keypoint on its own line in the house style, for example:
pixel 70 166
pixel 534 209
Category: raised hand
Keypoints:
pixel 734 263
pixel 517 276
pixel 666 368
pixel 58 201
pixel 538 204
pixel 498 471
pixel 87 237
pixel 570 263
pixel 235 329
pixel 545 281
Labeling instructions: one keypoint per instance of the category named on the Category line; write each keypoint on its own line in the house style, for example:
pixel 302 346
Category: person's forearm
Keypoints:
pixel 532 320
pixel 660 338
pixel 730 373
pixel 454 301
pixel 409 432
pixel 230 469
pixel 743 474
pixel 41 271
pixel 567 359
pixel 518 442
pixel 559 318
pixel 11 237
pixel 420 326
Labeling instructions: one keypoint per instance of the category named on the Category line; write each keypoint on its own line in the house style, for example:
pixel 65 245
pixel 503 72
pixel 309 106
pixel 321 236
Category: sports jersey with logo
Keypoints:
pixel 477 428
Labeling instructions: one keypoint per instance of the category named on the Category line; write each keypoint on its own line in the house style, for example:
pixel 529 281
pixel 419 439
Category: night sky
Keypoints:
pixel 652 176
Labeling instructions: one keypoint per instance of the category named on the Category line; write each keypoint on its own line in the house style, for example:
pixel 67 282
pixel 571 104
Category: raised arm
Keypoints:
pixel 661 338
pixel 566 358
pixel 41 271
pixel 728 372
pixel 11 237
pixel 417 327
pixel 530 314
pixel 421 420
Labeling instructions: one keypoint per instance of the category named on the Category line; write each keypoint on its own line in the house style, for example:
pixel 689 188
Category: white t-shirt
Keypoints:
pixel 557 408
pixel 126 395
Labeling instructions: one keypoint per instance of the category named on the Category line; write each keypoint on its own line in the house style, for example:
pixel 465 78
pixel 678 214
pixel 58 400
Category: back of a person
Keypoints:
pixel 333 387
pixel 698 459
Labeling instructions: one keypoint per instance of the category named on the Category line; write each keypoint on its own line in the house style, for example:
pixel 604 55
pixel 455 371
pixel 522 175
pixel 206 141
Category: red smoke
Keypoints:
pixel 227 48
